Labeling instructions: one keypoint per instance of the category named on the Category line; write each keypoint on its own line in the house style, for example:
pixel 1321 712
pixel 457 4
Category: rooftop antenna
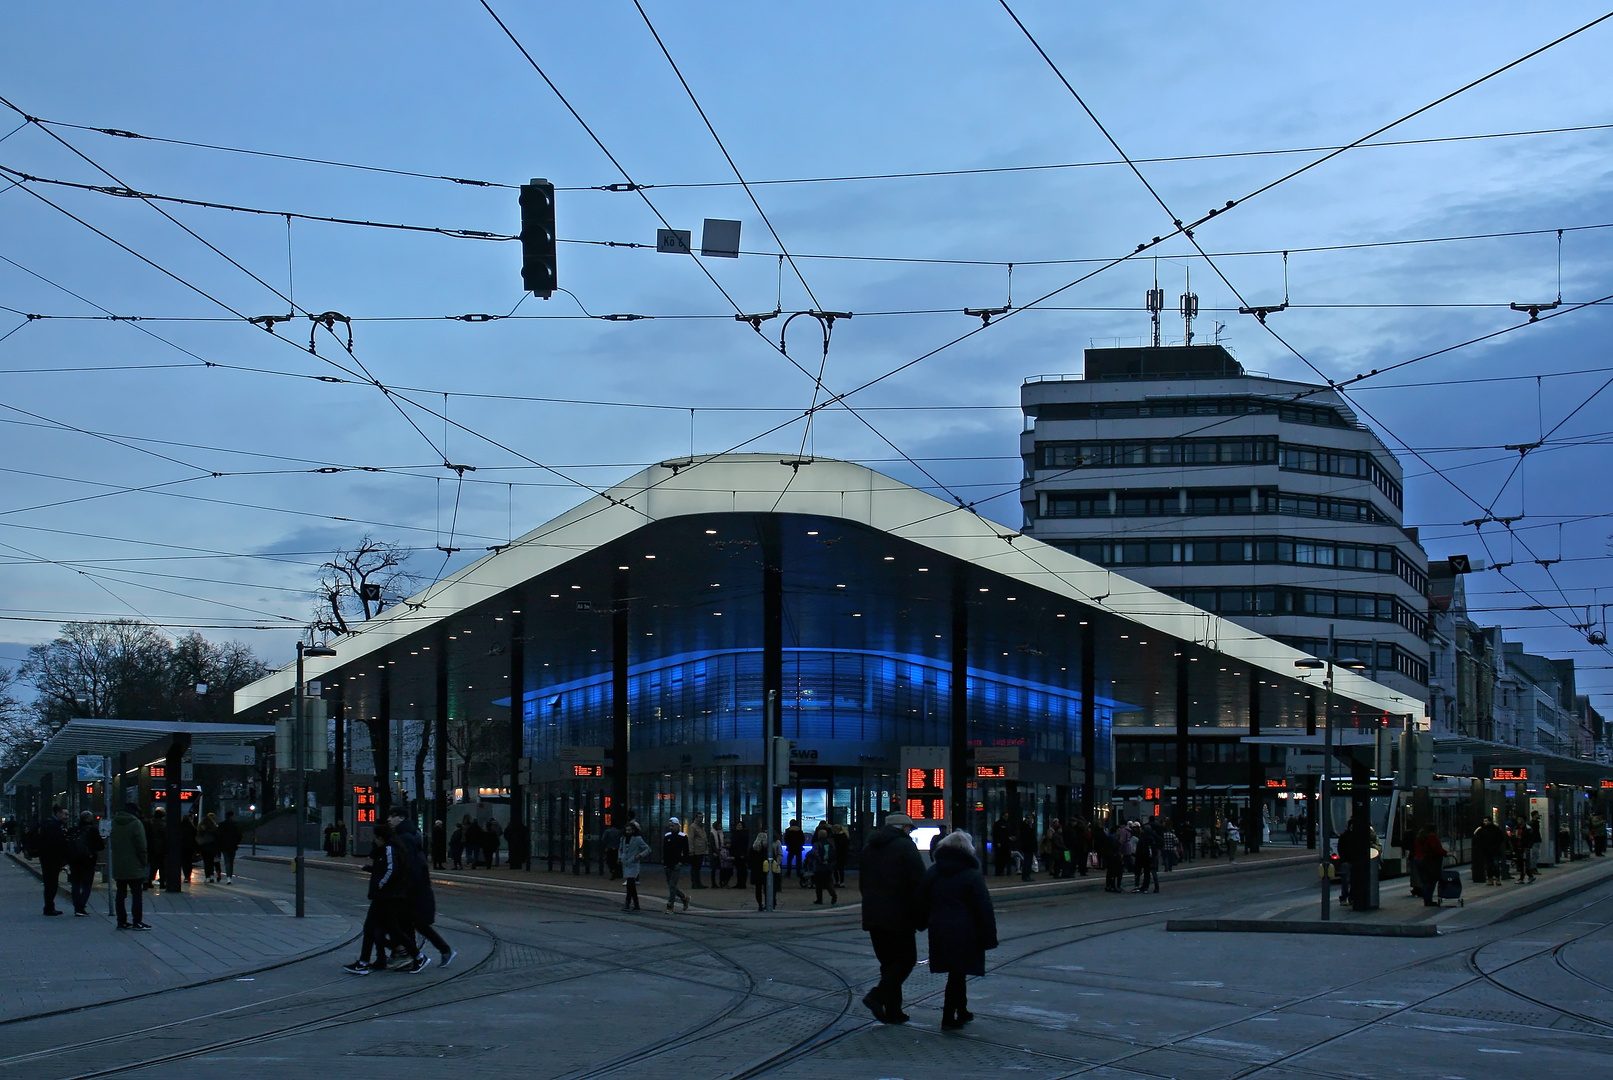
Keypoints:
pixel 1190 308
pixel 1156 303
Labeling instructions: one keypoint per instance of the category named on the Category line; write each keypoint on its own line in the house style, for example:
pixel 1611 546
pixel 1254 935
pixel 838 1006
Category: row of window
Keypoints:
pixel 1228 550
pixel 1260 450
pixel 1292 412
pixel 1199 502
pixel 1389 657
pixel 1282 600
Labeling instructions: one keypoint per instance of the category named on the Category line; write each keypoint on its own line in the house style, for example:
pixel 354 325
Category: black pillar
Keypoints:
pixel 958 760
pixel 772 626
pixel 1257 769
pixel 439 735
pixel 1312 783
pixel 338 764
pixel 620 707
pixel 1089 721
pixel 381 745
pixel 518 808
pixel 173 771
pixel 1183 702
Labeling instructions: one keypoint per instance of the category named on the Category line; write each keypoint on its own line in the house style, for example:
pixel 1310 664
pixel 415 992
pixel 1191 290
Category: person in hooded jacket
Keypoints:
pixel 892 871
pixel 954 905
pixel 84 843
pixel 52 847
pixel 390 915
pixel 127 858
pixel 422 901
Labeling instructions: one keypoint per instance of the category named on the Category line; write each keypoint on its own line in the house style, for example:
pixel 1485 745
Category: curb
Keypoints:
pixel 1552 898
pixel 1298 926
pixel 26 865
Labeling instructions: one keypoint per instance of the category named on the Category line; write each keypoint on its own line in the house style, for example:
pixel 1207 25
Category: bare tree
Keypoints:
pixel 22 729
pixel 361 582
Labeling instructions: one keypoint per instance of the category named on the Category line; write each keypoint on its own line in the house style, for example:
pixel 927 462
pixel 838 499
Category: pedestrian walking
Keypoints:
pixel 53 851
pixel 1532 843
pixel 892 871
pixel 229 842
pixel 422 901
pixel 1114 866
pixel 475 841
pixel 1144 858
pixel 631 851
pixel 187 846
pixel 456 846
pixel 1170 847
pixel 207 846
pixel 127 862
pixel 439 846
pixel 1026 843
pixel 157 845
pixel 1429 854
pixel 84 843
pixel 699 841
pixel 674 853
pixel 764 858
pixel 841 840
pixel 794 841
pixel 954 905
pixel 611 840
pixel 823 866
pixel 1492 842
pixel 1002 844
pixel 390 918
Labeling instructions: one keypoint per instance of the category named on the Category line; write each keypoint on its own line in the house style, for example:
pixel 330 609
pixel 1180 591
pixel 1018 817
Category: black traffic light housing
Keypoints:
pixel 537 239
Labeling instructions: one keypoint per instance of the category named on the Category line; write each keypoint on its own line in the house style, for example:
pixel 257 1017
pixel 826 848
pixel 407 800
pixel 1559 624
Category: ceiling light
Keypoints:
pixel 924 569
pixel 649 556
pixel 890 558
pixel 711 532
pixel 812 532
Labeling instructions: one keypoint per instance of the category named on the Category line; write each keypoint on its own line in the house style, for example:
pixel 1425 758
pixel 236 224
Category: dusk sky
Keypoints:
pixel 170 468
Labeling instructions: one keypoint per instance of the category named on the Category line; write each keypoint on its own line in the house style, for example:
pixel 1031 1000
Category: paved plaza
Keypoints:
pixel 554 981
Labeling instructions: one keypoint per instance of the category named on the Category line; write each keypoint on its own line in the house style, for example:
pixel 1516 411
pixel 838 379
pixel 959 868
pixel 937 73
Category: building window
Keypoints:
pixel 1277 600
pixel 1289 411
pixel 1207 502
pixel 1329 462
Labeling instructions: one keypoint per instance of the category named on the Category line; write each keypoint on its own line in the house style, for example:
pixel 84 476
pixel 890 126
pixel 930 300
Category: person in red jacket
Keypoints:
pixel 1429 855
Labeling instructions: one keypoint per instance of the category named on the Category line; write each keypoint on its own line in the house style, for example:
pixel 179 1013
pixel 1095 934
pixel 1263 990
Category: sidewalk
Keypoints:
pixel 791 897
pixel 208 933
pixel 1399 908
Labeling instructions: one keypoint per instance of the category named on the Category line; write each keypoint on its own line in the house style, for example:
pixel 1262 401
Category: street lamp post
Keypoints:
pixel 300 751
pixel 1325 783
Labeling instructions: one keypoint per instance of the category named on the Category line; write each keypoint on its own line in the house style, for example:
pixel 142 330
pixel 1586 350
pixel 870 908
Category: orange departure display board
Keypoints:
pixel 926 794
pixel 1500 773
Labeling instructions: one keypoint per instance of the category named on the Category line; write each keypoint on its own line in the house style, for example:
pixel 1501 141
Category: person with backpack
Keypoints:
pixel 630 855
pixel 674 853
pixel 208 846
pixel 821 861
pixel 126 862
pixel 84 843
pixel 954 905
pixel 52 848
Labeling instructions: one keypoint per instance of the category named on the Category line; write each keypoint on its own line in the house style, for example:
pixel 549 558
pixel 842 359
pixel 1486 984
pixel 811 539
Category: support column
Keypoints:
pixel 1184 701
pixel 1312 783
pixel 1257 769
pixel 773 623
pixel 620 714
pixel 381 744
pixel 338 764
pixel 439 734
pixel 958 760
pixel 173 772
pixel 518 807
pixel 1089 722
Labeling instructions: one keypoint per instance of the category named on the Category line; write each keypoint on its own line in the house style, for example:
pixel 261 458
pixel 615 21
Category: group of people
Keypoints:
pixel 403 909
pixel 138 856
pixel 1121 847
pixel 1517 845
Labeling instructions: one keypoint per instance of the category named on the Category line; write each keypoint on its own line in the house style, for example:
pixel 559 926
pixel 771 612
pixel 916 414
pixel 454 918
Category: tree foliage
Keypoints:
pixel 129 670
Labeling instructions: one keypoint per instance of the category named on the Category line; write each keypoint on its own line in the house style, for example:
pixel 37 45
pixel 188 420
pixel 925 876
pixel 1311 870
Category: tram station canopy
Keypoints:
pixel 870 566
pixel 144 741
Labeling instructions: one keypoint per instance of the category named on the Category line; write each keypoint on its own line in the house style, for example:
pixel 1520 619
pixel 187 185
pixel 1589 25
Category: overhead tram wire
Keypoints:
pixel 738 311
pixel 483 235
pixel 849 178
pixel 1232 203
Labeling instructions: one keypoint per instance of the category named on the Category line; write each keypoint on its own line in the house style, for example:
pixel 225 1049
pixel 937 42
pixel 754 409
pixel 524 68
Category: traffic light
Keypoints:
pixel 537 239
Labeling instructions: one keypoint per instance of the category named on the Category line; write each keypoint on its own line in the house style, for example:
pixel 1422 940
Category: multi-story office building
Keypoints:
pixel 1263 500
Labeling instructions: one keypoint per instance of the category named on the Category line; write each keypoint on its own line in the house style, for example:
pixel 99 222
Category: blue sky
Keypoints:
pixel 795 91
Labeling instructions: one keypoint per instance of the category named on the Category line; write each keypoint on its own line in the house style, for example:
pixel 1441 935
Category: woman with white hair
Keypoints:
pixel 954 904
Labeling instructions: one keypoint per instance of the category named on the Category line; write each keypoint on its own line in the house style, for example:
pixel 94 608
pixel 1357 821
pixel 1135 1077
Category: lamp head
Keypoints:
pixel 1310 663
pixel 1353 664
pixel 318 650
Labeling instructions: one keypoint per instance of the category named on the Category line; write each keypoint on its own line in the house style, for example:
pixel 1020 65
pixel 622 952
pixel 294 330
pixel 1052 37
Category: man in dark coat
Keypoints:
pixel 1027 847
pixel 955 906
pixel 229 842
pixel 51 848
pixel 157 844
pixel 422 902
pixel 1002 844
pixel 892 870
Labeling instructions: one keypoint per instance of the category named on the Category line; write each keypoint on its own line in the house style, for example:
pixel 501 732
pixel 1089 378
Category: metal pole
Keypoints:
pixel 1326 789
pixel 110 888
pixel 302 786
pixel 769 745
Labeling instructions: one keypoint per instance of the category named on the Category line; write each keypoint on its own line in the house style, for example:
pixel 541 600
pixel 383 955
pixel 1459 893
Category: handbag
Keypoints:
pixel 1093 862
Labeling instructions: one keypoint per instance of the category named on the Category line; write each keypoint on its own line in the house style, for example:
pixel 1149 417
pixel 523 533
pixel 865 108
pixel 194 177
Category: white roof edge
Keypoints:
pixel 761 483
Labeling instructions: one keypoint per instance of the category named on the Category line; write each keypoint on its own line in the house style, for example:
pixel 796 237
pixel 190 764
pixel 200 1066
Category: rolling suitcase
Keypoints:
pixel 1450 886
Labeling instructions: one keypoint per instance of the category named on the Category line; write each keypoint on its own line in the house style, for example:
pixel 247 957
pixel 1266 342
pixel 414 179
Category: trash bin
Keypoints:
pixel 1364 882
